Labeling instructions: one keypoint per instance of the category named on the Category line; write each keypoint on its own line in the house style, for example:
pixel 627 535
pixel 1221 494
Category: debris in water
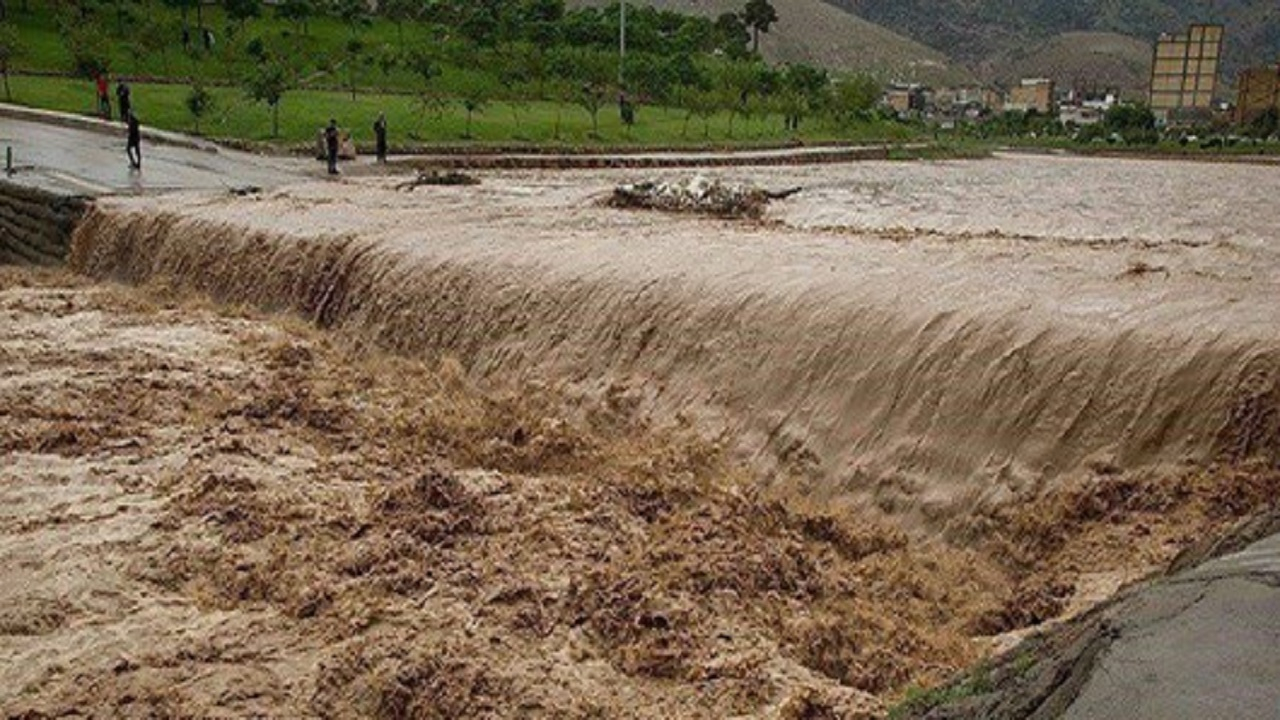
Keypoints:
pixel 698 195
pixel 438 178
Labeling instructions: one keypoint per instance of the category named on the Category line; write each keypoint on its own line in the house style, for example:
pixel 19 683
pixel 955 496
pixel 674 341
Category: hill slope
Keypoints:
pixel 1085 60
pixel 817 33
pixel 976 32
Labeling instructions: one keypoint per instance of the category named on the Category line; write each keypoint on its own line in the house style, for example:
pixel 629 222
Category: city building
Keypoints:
pixel 1032 95
pixel 1184 73
pixel 1257 90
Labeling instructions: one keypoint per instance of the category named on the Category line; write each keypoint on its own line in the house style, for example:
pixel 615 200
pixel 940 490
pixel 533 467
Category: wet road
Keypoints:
pixel 87 162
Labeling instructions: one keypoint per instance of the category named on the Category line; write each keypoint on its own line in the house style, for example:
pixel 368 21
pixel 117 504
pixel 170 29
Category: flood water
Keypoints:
pixel 1043 196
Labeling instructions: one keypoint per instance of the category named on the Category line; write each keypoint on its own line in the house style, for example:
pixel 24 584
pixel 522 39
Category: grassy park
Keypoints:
pixel 276 77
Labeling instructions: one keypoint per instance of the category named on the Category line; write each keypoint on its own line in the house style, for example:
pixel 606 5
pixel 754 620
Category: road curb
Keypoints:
pixel 81 122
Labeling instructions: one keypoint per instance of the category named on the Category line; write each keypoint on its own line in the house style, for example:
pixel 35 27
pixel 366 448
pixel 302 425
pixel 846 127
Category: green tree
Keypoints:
pixel 199 102
pixel 400 12
pixel 353 54
pixel 1263 126
pixel 732 35
pixel 241 11
pixel 11 48
pixel 759 15
pixel 427 68
pixel 298 12
pixel 476 95
pixel 268 83
pixel 353 13
pixel 89 50
pixel 853 99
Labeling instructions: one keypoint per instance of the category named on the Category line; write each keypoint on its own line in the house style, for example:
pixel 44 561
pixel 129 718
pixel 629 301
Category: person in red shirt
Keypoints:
pixel 104 99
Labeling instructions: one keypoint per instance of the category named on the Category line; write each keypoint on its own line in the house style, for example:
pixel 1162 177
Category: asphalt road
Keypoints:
pixel 93 162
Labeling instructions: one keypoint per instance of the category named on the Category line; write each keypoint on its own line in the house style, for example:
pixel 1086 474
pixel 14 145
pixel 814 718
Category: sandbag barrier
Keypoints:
pixel 36 225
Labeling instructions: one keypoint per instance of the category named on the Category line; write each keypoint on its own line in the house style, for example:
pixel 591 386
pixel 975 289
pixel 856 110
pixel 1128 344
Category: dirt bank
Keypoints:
pixel 209 512
pixel 932 375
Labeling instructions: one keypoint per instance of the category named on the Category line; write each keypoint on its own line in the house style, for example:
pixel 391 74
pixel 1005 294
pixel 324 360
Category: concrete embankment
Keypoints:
pixel 35 225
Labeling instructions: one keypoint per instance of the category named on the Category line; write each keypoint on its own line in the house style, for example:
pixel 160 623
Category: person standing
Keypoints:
pixel 133 146
pixel 123 100
pixel 104 100
pixel 380 137
pixel 331 145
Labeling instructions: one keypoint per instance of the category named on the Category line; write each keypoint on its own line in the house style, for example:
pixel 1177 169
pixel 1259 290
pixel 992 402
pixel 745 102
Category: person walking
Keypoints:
pixel 380 137
pixel 104 100
pixel 133 146
pixel 331 145
pixel 123 100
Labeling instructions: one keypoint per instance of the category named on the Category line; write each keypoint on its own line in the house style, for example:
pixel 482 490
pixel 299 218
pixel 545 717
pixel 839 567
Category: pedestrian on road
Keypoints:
pixel 104 100
pixel 123 101
pixel 331 145
pixel 133 147
pixel 380 135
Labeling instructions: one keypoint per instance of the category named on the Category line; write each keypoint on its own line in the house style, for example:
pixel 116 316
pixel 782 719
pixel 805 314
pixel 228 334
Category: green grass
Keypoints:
pixel 162 82
pixel 920 701
pixel 303 112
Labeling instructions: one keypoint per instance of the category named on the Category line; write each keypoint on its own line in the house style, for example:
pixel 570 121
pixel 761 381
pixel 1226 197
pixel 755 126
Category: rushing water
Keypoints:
pixel 1046 196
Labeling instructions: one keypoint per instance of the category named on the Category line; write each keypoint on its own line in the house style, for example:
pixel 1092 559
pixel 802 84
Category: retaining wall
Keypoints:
pixel 36 225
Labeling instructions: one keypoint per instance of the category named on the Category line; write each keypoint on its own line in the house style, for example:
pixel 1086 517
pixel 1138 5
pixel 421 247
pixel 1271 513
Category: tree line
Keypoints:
pixel 470 53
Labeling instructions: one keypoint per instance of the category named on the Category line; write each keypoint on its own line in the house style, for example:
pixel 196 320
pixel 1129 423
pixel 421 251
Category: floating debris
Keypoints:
pixel 436 177
pixel 698 195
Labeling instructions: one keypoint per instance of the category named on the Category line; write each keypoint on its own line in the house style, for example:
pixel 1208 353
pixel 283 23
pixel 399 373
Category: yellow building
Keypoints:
pixel 1184 75
pixel 1258 89
pixel 1032 95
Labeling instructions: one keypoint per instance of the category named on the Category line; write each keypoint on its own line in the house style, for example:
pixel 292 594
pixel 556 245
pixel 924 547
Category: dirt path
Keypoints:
pixel 208 512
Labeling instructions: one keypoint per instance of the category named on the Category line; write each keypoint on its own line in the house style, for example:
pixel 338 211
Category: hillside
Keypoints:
pixel 816 33
pixel 1085 60
pixel 980 32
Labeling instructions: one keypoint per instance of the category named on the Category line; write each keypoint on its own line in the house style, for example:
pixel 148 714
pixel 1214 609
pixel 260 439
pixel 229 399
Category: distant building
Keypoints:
pixel 966 102
pixel 906 100
pixel 1184 73
pixel 1257 90
pixel 1082 107
pixel 1032 95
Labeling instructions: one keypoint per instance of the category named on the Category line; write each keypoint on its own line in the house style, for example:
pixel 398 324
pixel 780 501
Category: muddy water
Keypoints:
pixel 1051 197
pixel 990 353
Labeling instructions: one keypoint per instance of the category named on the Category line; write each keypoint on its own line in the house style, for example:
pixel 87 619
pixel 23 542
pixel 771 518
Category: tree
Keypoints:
pixel 853 99
pixel 353 52
pixel 400 12
pixel 1134 123
pixel 514 76
pixel 353 13
pixel 759 15
pixel 199 103
pixel 297 12
pixel 241 11
pixel 89 51
pixel 427 68
pixel 11 47
pixel 475 98
pixel 732 35
pixel 1263 126
pixel 268 83
pixel 387 60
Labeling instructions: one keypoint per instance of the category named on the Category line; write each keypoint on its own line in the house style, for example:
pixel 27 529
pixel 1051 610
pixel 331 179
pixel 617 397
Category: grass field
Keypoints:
pixel 303 112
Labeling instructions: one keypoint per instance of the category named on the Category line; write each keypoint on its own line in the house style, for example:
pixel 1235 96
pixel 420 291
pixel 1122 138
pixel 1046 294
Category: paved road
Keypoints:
pixel 91 162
